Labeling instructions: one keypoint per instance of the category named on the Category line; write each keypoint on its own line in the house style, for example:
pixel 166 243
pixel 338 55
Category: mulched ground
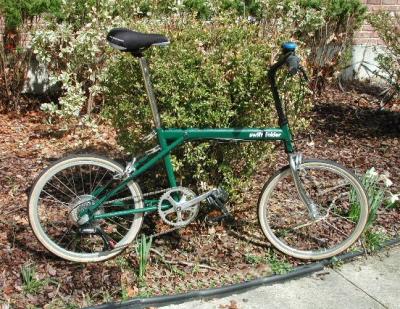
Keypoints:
pixel 346 127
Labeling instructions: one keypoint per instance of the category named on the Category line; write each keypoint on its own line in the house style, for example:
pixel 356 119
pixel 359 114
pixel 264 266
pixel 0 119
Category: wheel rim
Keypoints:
pixel 286 222
pixel 69 187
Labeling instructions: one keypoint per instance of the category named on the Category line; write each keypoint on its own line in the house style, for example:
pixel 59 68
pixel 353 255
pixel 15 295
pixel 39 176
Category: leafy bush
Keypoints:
pixel 15 57
pixel 212 75
pixel 325 27
pixel 16 12
pixel 387 26
pixel 330 42
pixel 72 45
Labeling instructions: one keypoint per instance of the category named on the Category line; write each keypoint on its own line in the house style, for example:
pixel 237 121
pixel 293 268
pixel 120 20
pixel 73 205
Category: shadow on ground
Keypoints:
pixel 356 121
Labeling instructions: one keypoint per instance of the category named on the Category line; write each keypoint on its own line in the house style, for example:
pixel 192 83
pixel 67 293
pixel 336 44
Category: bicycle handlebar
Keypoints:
pixel 293 63
pixel 289 58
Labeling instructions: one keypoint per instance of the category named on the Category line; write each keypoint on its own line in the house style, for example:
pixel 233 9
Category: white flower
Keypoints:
pixel 394 198
pixel 385 178
pixel 371 173
pixel 388 182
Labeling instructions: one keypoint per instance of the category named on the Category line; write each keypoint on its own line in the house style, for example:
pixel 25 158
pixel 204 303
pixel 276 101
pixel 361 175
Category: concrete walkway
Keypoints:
pixel 372 282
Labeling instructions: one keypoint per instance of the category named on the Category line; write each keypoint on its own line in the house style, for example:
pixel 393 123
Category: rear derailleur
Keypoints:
pixel 108 242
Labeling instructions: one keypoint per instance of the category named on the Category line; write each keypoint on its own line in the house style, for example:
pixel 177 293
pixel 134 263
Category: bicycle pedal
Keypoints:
pixel 218 199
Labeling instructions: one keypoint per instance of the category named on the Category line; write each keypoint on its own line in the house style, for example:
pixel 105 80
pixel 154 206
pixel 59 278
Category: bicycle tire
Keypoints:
pixel 279 206
pixel 61 206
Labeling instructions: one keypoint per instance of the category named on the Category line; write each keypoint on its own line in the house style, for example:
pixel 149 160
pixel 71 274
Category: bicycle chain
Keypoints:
pixel 143 195
pixel 146 195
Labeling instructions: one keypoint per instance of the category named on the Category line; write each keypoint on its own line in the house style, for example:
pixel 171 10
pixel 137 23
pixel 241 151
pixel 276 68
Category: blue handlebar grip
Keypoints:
pixel 289 47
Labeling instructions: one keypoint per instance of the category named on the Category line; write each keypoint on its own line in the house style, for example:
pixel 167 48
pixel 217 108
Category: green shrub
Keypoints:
pixel 16 12
pixel 15 56
pixel 72 45
pixel 330 43
pixel 388 28
pixel 212 75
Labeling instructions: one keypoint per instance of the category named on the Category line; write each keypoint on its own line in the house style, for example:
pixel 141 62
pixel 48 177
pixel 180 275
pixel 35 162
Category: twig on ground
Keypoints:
pixel 164 260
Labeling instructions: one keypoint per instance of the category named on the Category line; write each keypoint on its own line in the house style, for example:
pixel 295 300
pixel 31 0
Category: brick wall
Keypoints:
pixel 367 35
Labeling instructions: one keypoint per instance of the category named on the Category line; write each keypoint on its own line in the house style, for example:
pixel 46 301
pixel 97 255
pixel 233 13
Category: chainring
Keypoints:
pixel 175 198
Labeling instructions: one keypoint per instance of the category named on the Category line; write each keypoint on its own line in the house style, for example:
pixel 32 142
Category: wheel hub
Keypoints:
pixel 82 203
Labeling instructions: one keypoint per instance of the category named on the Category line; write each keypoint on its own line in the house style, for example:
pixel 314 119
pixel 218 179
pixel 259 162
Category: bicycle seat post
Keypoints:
pixel 149 89
pixel 156 116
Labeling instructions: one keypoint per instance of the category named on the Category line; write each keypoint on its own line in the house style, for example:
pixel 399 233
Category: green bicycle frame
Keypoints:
pixel 170 139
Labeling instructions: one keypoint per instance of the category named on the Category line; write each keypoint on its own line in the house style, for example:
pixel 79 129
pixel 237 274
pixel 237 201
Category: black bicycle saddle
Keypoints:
pixel 131 41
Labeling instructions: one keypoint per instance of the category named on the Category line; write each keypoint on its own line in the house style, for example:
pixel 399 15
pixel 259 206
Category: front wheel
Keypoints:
pixel 342 210
pixel 68 187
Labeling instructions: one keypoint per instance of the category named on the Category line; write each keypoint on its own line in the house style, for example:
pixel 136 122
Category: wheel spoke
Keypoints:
pixel 119 224
pixel 341 217
pixel 66 186
pixel 101 179
pixel 332 188
pixel 90 178
pixel 116 230
pixel 94 180
pixel 305 224
pixel 61 191
pixel 71 184
pixel 65 234
pixel 54 199
pixel 83 183
pixel 335 228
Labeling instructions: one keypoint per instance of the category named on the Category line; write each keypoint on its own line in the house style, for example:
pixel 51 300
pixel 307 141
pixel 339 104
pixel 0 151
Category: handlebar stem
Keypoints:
pixel 275 94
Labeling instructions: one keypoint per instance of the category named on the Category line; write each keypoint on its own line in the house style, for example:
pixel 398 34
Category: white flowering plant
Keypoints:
pixel 382 180
pixel 378 187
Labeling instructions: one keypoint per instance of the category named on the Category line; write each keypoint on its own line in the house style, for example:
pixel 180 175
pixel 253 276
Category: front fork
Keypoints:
pixel 295 161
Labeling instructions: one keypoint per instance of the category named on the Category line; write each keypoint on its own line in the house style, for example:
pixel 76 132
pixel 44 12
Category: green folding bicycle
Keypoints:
pixel 88 208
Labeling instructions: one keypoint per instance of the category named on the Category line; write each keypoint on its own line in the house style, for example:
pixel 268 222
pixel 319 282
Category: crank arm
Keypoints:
pixel 196 200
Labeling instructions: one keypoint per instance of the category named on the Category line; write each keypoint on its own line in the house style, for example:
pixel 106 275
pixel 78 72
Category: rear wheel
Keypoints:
pixel 69 186
pixel 342 207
